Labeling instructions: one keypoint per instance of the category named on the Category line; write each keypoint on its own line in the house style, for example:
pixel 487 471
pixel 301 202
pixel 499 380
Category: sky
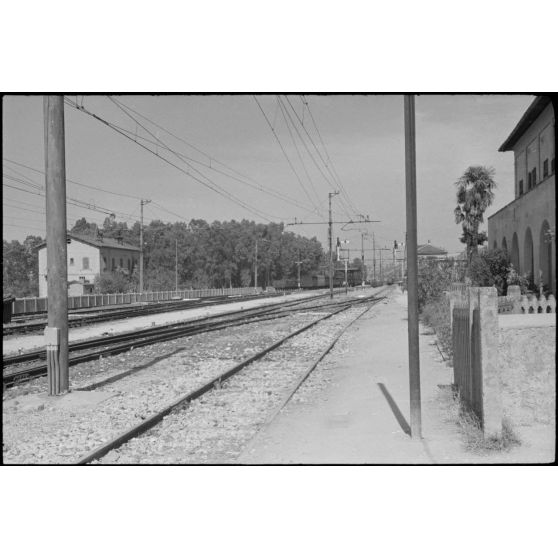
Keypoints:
pixel 360 139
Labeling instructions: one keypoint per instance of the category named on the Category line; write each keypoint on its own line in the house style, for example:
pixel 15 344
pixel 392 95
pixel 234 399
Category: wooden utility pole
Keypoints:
pixel 56 332
pixel 176 266
pixel 298 263
pixel 330 234
pixel 412 266
pixel 362 257
pixel 374 257
pixel 256 268
pixel 142 203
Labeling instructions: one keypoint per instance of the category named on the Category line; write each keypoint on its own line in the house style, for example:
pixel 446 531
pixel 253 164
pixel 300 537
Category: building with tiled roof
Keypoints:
pixel 431 251
pixel 526 226
pixel 89 256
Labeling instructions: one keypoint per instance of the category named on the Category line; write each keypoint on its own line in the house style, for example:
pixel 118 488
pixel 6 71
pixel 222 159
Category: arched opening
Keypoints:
pixel 515 253
pixel 545 254
pixel 528 267
pixel 495 245
pixel 504 245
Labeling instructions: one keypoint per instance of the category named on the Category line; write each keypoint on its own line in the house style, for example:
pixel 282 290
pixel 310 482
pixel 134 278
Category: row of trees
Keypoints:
pixel 206 255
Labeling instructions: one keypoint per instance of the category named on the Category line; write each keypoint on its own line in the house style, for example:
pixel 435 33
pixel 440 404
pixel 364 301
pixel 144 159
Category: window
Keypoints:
pixel 85 264
pixel 104 263
pixel 534 173
pixel 113 265
pixel 552 165
pixel 545 168
pixel 71 261
pixel 529 185
pixel 521 187
pixel 129 265
pixel 82 279
pixel 121 263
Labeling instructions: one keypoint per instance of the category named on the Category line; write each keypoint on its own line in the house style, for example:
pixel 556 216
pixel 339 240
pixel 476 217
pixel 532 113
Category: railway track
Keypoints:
pixel 93 349
pixel 78 318
pixel 216 383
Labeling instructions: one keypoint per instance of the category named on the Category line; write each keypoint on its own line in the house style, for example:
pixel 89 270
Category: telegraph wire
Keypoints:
pixel 72 181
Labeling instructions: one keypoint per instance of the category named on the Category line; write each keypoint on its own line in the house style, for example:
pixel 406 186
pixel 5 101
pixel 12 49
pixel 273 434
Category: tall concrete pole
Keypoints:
pixel 412 266
pixel 142 203
pixel 56 333
pixel 176 265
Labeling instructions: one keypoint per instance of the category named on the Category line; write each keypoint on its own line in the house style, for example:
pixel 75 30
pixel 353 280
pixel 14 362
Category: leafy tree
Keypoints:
pixel 475 193
pixel 490 268
pixel 20 267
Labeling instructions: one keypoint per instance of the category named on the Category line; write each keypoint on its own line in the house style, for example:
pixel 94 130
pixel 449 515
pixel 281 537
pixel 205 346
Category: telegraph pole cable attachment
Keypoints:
pixel 412 266
pixel 56 332
pixel 142 203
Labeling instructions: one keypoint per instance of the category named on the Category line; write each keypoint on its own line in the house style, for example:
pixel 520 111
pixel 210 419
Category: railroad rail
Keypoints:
pixel 82 317
pixel 217 381
pixel 93 349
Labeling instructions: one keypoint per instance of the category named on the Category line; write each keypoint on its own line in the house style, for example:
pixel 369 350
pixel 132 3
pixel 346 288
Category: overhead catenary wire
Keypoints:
pixel 333 185
pixel 297 150
pixel 217 188
pixel 332 170
pixel 318 212
pixel 212 161
pixel 209 184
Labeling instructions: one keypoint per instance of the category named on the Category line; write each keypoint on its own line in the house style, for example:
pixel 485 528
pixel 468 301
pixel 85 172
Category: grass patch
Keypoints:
pixel 436 314
pixel 470 428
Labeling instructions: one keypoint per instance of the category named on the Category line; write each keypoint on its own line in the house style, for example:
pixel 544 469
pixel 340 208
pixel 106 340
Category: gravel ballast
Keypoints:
pixel 41 429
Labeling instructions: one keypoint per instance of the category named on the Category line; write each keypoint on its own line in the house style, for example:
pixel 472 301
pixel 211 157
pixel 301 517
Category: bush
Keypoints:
pixel 118 281
pixel 436 314
pixel 490 268
pixel 434 277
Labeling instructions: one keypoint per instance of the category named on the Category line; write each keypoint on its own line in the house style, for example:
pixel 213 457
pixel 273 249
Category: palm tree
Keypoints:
pixel 475 193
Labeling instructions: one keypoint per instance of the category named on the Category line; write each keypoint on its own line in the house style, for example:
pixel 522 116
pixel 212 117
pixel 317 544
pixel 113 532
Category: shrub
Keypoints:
pixel 513 278
pixel 434 277
pixel 436 314
pixel 490 268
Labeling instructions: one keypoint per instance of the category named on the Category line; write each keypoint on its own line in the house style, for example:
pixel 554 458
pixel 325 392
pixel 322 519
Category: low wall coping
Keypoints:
pixel 508 321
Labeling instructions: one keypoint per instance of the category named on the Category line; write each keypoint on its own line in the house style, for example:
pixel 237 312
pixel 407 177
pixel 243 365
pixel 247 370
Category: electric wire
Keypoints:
pixel 297 151
pixel 244 178
pixel 225 194
pixel 287 157
pixel 332 171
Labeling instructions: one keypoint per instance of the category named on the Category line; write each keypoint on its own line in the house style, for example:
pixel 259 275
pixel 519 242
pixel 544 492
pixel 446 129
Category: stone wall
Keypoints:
pixel 527 363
